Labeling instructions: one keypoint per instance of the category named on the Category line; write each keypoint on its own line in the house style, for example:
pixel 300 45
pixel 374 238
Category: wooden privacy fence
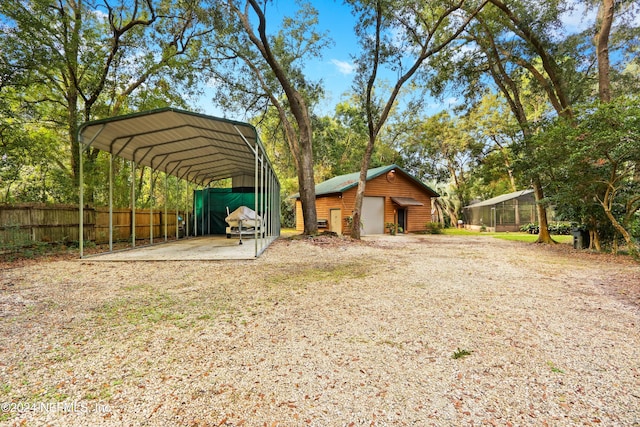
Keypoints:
pixel 22 225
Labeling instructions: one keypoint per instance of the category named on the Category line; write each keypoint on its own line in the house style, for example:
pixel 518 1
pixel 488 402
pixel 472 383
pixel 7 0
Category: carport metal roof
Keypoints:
pixel 195 147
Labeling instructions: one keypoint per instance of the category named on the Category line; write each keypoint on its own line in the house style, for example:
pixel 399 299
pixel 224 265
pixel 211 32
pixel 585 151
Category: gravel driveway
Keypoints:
pixel 403 330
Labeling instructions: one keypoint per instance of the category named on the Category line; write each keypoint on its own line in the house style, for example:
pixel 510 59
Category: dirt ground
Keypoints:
pixel 394 330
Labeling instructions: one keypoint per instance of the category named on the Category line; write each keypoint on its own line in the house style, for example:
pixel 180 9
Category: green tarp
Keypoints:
pixel 214 202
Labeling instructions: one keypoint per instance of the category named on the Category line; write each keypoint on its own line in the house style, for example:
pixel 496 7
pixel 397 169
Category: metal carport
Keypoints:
pixel 194 147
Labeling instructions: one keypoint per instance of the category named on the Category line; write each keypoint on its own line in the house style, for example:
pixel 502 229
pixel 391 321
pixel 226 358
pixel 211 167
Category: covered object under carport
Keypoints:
pixel 194 147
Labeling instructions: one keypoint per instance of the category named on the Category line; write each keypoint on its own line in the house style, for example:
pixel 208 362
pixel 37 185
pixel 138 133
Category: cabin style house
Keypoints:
pixel 394 202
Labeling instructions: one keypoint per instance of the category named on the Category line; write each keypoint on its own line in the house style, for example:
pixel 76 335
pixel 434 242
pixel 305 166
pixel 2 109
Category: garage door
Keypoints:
pixel 373 215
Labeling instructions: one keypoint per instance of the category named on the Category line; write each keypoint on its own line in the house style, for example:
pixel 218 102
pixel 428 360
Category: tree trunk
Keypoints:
pixel 74 146
pixel 362 183
pixel 543 234
pixel 439 213
pixel 357 209
pixel 511 91
pixel 594 236
pixel 71 38
pixel 633 248
pixel 556 87
pixel 512 179
pixel 307 187
pixel 596 241
pixel 303 151
pixel 604 22
pixel 453 216
pixel 601 39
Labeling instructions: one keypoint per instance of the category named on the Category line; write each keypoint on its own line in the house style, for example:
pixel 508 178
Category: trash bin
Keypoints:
pixel 580 239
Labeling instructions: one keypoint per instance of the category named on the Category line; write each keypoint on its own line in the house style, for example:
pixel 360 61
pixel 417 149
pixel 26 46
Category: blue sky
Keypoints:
pixel 335 68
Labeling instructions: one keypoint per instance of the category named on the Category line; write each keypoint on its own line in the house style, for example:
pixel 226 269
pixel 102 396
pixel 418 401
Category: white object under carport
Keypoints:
pixel 243 220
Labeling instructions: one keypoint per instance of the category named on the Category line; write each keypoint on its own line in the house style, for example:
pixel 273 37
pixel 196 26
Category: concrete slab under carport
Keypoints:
pixel 206 248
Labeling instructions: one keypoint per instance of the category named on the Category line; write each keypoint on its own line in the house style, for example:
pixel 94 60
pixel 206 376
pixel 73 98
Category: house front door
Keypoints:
pixel 402 220
pixel 335 221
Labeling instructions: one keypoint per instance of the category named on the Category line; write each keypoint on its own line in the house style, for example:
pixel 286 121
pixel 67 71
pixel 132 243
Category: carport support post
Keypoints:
pixel 195 214
pixel 255 197
pixel 186 209
pixel 208 214
pixel 265 204
pixel 177 220
pixel 270 205
pixel 81 200
pixel 151 201
pixel 272 201
pixel 110 202
pixel 133 204
pixel 166 193
pixel 275 205
pixel 262 202
pixel 177 209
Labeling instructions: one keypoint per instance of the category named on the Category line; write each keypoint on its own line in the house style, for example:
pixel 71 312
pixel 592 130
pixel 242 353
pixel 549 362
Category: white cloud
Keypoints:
pixel 452 101
pixel 345 68
pixel 578 18
pixel 435 106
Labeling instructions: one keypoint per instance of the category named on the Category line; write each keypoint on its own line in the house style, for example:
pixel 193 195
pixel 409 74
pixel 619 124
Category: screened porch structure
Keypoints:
pixel 502 213
pixel 193 147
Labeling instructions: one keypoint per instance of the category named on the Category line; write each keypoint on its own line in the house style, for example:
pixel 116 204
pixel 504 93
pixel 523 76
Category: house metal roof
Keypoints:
pixel 500 199
pixel 195 147
pixel 342 183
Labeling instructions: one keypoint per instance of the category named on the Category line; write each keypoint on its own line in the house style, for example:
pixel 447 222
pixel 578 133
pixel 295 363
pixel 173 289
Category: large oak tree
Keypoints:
pixel 397 38
pixel 83 59
pixel 257 63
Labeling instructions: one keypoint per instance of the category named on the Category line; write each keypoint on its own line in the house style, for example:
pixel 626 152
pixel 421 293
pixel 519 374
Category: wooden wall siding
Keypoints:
pixel 417 216
pixel 299 219
pixel 21 225
pixel 323 206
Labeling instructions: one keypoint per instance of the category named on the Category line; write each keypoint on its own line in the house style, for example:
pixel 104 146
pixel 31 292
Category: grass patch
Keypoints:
pixel 512 236
pixel 554 368
pixel 136 311
pixel 103 392
pixel 461 353
pixel 299 277
pixel 463 232
pixel 390 343
pixel 531 238
pixel 50 393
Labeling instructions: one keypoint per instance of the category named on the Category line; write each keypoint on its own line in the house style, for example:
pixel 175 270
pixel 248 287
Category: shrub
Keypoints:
pixel 560 229
pixel 530 228
pixel 391 227
pixel 433 228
